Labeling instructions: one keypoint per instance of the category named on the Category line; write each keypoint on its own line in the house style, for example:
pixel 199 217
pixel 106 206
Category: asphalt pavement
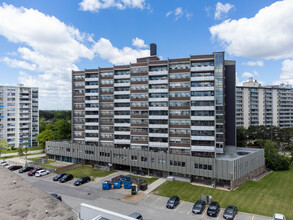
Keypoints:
pixel 119 200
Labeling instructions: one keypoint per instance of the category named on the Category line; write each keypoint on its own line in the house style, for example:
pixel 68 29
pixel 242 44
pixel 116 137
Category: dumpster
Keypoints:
pixel 117 185
pixel 143 186
pixel 127 184
pixel 125 178
pixel 133 190
pixel 106 185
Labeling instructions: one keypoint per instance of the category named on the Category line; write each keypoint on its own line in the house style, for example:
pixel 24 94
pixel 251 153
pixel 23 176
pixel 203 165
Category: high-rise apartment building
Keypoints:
pixel 172 117
pixel 264 105
pixel 19 115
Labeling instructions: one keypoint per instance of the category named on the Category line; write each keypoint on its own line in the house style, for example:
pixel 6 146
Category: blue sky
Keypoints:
pixel 42 41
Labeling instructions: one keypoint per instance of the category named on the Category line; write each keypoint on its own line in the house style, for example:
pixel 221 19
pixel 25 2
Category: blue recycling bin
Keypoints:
pixel 106 185
pixel 117 185
pixel 127 184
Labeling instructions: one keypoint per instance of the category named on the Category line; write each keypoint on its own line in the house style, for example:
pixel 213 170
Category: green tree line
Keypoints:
pixel 54 125
pixel 277 143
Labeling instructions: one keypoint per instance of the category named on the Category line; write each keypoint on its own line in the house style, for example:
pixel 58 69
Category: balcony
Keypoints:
pixel 203 108
pixel 122 100
pixel 91 139
pixel 91 109
pixel 202 68
pixel 158 125
pixel 91 116
pixel 158 90
pixel 122 132
pixel 162 81
pixel 202 98
pixel 203 118
pixel 122 124
pixel 203 138
pixel 203 88
pixel 203 128
pixel 158 144
pixel 122 92
pixel 122 84
pixel 122 116
pixel 121 141
pixel 158 135
pixel 203 78
pixel 91 101
pixel 158 116
pixel 203 148
pixel 158 73
pixel 91 79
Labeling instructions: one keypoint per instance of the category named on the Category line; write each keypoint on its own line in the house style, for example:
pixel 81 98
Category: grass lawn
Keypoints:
pixel 272 194
pixel 148 180
pixel 16 150
pixel 89 171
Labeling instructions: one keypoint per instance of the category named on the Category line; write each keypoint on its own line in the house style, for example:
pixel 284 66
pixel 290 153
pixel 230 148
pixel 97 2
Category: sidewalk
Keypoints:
pixel 154 185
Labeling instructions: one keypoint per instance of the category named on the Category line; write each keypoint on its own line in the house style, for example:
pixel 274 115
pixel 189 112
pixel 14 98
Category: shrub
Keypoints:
pixel 12 148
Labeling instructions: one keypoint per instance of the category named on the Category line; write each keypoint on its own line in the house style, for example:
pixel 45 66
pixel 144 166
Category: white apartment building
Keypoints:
pixel 19 115
pixel 264 105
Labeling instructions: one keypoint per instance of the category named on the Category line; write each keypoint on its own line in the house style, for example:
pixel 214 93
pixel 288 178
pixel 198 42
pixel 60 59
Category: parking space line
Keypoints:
pixel 235 218
pixel 179 205
pixel 252 217
pixel 189 212
pixel 154 201
pixel 219 214
pixel 205 210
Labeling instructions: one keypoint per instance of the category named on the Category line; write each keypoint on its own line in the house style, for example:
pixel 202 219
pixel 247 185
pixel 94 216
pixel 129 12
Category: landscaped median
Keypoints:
pixel 272 194
pixel 88 171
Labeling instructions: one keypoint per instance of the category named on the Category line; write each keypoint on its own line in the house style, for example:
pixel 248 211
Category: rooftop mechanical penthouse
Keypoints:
pixel 165 117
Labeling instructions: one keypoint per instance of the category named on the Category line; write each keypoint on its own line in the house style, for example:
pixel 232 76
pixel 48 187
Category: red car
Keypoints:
pixel 33 172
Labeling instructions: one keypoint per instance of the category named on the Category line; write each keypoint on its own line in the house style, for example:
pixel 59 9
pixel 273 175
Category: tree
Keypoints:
pixel 62 129
pixel 44 136
pixel 20 151
pixel 3 145
pixel 273 159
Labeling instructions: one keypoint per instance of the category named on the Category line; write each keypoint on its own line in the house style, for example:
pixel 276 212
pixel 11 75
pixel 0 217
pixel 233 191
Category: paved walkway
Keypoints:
pixel 154 185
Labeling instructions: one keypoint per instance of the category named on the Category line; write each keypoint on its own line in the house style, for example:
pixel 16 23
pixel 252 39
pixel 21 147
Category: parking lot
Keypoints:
pixel 150 206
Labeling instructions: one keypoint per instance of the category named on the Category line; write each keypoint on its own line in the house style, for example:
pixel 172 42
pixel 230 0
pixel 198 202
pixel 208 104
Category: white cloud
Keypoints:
pixel 267 35
pixel 49 47
pixel 254 63
pixel 19 64
pixel 105 50
pixel 222 10
pixel 287 71
pixel 248 74
pixel 138 43
pixel 178 13
pixel 96 5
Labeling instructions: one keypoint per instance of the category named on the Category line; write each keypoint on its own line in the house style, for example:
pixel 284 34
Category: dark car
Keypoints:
pixel 56 196
pixel 14 167
pixel 136 215
pixel 230 212
pixel 59 176
pixel 213 209
pixel 173 202
pixel 25 169
pixel 66 178
pixel 199 207
pixel 33 172
pixel 82 180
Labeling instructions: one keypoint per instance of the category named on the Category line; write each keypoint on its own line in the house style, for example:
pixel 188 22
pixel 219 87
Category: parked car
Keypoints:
pixel 25 169
pixel 230 212
pixel 42 173
pixel 56 196
pixel 14 167
pixel 136 215
pixel 59 176
pixel 173 202
pixel 4 163
pixel 199 207
pixel 66 178
pixel 278 216
pixel 82 180
pixel 33 172
pixel 213 209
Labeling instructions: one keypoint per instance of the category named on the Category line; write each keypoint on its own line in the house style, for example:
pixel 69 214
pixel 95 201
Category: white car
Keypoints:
pixel 278 216
pixel 3 163
pixel 42 173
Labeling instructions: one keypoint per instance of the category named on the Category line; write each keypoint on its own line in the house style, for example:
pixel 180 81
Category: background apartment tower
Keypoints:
pixel 19 115
pixel 264 105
